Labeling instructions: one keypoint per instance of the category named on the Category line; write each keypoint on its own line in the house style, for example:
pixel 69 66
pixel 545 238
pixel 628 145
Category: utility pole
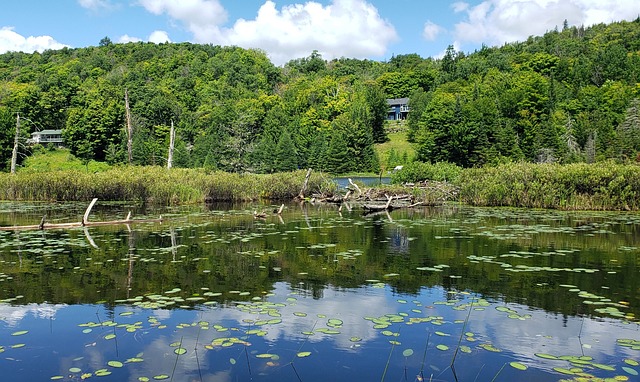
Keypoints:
pixel 16 141
pixel 172 137
pixel 129 127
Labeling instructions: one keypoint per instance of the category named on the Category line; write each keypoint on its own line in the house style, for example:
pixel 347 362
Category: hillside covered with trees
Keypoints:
pixel 571 95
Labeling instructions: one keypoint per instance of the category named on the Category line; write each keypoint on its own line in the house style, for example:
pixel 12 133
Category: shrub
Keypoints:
pixel 419 172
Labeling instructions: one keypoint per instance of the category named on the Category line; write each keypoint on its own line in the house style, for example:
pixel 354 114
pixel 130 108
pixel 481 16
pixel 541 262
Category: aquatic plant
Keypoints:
pixel 156 185
pixel 580 186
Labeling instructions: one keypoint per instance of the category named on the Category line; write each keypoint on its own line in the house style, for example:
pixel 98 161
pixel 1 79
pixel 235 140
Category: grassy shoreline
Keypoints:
pixel 157 185
pixel 579 186
pixel 600 186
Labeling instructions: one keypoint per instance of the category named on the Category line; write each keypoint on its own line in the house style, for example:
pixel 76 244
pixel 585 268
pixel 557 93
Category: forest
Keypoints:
pixel 569 96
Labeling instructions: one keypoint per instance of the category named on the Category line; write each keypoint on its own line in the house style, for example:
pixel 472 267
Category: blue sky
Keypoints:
pixel 286 29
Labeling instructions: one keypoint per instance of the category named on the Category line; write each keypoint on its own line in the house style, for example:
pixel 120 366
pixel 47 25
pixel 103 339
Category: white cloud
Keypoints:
pixel 460 6
pixel 351 28
pixel 431 31
pixel 156 37
pixel 203 18
pixel 159 37
pixel 499 21
pixel 126 38
pixel 10 41
pixel 96 5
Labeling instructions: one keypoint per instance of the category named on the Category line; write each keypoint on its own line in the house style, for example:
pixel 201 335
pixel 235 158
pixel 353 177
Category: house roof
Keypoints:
pixel 47 132
pixel 397 101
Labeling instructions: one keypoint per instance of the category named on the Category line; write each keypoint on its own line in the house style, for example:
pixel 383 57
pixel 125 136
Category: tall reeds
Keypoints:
pixel 155 184
pixel 580 186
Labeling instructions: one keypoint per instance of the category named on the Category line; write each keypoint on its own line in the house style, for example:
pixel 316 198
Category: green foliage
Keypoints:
pixel 285 153
pixel 43 161
pixel 397 151
pixel 338 160
pixel 418 172
pixel 7 136
pixel 562 97
pixel 156 185
pixel 605 186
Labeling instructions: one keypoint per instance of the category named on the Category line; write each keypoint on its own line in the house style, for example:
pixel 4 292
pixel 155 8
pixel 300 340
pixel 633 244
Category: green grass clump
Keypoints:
pixel 580 186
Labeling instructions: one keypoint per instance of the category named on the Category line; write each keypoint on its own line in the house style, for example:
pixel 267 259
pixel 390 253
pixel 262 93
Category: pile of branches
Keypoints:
pixel 389 197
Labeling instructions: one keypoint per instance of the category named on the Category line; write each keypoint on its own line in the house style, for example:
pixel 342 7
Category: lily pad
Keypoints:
pixel 518 365
pixel 545 356
pixel 465 349
pixel 115 363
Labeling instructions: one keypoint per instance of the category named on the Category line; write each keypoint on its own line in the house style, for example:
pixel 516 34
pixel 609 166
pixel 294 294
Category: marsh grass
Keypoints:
pixel 156 185
pixel 600 186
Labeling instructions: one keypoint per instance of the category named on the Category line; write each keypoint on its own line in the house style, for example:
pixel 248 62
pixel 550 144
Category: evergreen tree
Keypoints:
pixel 318 153
pixel 628 132
pixel 285 153
pixel 264 155
pixel 338 159
pixel 378 109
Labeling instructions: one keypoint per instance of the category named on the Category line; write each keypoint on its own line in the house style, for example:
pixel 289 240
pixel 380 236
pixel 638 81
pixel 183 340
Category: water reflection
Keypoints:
pixel 357 351
pixel 506 284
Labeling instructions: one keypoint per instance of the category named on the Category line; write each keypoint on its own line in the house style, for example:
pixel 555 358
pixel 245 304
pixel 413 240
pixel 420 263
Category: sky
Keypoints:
pixel 289 29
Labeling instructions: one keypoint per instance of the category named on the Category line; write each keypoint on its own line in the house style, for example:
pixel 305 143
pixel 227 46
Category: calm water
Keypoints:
pixel 316 295
pixel 366 180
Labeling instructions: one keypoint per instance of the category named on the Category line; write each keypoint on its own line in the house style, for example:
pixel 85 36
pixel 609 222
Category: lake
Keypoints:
pixel 211 294
pixel 366 180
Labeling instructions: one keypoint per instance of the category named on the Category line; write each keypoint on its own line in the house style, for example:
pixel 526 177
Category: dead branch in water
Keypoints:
pixel 83 223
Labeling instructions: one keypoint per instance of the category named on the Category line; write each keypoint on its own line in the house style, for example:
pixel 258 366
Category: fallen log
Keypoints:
pixel 84 223
pixel 375 207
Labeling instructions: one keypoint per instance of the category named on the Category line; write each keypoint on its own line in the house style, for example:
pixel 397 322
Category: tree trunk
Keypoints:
pixel 172 137
pixel 16 141
pixel 129 127
pixel 305 185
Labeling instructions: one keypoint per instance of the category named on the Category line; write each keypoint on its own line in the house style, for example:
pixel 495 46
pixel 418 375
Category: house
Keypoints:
pixel 45 137
pixel 398 108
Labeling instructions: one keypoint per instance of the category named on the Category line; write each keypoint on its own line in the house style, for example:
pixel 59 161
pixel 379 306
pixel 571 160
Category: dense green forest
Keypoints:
pixel 571 95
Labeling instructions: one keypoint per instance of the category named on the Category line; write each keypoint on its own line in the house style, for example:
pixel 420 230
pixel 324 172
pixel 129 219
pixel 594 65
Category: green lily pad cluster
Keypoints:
pixel 580 366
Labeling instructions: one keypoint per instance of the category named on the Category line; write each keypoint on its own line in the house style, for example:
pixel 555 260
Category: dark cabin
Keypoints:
pixel 398 108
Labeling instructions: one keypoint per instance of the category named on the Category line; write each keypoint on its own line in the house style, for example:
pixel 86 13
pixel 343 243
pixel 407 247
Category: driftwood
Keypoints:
pixel 378 207
pixel 305 185
pixel 263 215
pixel 356 187
pixel 84 223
